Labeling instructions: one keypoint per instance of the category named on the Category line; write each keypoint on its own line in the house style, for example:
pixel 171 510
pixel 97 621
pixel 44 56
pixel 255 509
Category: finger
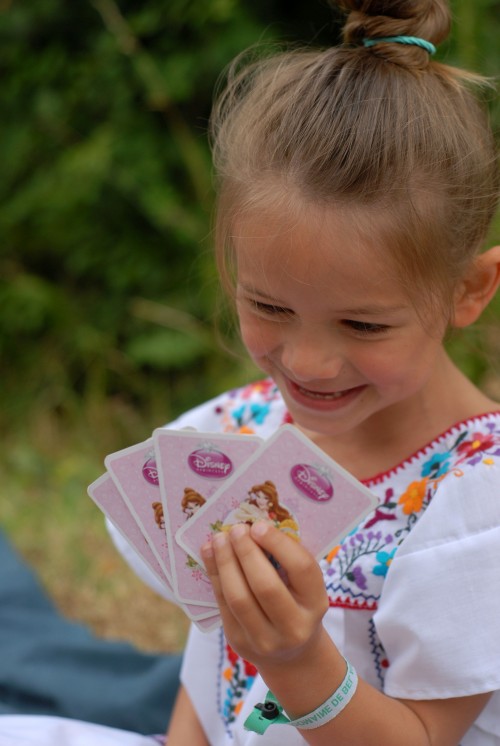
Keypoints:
pixel 305 580
pixel 208 557
pixel 262 577
pixel 234 595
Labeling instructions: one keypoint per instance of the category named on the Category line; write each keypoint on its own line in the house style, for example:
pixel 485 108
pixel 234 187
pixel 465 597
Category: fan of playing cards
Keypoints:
pixel 168 495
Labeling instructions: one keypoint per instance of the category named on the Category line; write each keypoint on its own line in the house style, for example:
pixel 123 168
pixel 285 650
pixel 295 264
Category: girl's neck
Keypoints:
pixel 400 431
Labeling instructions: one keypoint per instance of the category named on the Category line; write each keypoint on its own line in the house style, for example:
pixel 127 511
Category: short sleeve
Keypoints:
pixel 439 609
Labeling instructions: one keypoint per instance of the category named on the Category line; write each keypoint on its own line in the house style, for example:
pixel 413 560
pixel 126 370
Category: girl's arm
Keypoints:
pixel 278 627
pixel 185 728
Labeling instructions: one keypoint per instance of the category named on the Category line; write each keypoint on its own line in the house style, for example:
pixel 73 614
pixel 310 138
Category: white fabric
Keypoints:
pixel 40 730
pixel 450 561
pixel 423 622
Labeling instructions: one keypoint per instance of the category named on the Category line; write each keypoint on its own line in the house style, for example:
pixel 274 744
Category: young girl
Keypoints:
pixel 356 187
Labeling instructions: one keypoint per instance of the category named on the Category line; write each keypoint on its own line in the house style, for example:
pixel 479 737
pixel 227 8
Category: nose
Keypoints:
pixel 312 354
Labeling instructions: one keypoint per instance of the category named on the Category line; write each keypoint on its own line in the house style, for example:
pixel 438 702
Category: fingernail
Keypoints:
pixel 260 528
pixel 219 539
pixel 239 530
pixel 207 550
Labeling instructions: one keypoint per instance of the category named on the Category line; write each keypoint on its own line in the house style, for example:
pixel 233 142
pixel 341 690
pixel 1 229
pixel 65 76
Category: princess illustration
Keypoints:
pixel 262 504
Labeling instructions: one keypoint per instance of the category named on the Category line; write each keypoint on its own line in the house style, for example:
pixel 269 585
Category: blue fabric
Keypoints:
pixel 52 666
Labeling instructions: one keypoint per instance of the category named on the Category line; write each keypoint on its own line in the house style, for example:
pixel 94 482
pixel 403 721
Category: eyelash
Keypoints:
pixel 269 309
pixel 364 327
pixel 361 327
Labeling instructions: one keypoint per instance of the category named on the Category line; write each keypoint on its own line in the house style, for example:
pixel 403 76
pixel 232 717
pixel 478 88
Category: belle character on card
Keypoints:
pixel 262 503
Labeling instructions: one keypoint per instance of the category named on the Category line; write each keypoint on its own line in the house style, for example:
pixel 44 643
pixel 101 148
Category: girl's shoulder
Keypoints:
pixel 447 491
pixel 455 481
pixel 444 494
pixel 466 443
pixel 257 408
pixel 442 569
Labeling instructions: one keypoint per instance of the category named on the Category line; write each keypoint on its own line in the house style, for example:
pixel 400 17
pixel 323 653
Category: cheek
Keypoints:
pixel 259 338
pixel 398 365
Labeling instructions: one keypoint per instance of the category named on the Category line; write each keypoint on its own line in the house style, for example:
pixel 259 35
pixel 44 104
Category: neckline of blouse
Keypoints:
pixel 404 463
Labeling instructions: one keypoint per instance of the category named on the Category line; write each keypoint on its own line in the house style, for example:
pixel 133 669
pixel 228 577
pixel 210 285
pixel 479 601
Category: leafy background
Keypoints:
pixel 107 284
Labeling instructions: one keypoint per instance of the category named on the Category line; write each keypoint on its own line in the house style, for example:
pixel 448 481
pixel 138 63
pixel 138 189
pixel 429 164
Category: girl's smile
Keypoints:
pixel 321 400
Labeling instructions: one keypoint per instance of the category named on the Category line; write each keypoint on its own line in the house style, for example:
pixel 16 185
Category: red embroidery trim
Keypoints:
pixel 346 603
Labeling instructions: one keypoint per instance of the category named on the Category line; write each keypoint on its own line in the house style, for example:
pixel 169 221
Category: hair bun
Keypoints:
pixel 371 19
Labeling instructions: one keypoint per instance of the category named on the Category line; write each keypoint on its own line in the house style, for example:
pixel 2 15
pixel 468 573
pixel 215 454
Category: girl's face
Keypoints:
pixel 324 312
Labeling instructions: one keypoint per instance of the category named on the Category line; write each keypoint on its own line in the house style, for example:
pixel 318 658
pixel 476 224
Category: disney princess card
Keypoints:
pixel 107 497
pixel 192 466
pixel 135 475
pixel 290 482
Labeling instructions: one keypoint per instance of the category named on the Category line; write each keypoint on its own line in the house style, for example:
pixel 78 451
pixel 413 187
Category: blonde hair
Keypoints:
pixel 383 130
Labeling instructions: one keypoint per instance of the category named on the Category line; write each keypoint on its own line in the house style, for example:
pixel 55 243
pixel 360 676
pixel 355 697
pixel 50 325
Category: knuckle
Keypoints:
pixel 237 602
pixel 305 563
pixel 270 647
pixel 296 638
pixel 266 592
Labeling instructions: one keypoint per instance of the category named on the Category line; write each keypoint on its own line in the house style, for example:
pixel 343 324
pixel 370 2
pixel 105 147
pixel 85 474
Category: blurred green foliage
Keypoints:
pixel 107 286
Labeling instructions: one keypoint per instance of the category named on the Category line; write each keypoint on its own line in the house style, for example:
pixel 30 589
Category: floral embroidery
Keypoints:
pixel 357 576
pixel 437 465
pixel 247 409
pixel 266 388
pixel 384 559
pixel 412 498
pixel 238 675
pixel 480 447
pixel 259 412
pixel 478 442
pixel 383 515
pixel 348 567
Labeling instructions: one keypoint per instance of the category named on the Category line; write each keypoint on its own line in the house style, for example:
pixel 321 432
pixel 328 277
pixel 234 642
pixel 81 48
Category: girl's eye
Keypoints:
pixel 269 309
pixel 364 327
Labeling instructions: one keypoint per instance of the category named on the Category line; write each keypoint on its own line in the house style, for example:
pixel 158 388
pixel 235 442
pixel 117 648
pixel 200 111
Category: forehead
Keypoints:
pixel 315 249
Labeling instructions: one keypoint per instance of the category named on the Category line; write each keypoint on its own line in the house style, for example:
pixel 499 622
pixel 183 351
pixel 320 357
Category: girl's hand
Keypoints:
pixel 277 626
pixel 267 619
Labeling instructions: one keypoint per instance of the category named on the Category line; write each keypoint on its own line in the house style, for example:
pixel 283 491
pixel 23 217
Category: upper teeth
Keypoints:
pixel 319 395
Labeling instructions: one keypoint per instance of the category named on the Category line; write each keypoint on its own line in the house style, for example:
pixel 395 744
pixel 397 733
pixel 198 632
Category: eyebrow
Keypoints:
pixel 373 310
pixel 255 291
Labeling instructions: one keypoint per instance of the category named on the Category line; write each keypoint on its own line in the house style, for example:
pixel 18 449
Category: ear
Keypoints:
pixel 477 288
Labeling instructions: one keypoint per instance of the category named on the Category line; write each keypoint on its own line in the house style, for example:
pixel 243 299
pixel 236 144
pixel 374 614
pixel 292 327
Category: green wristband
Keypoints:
pixel 270 711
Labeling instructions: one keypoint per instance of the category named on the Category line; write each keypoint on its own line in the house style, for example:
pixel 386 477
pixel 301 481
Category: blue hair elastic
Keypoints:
pixel 411 40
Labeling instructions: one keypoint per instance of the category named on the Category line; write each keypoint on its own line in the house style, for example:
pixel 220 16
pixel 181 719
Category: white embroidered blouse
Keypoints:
pixel 414 590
